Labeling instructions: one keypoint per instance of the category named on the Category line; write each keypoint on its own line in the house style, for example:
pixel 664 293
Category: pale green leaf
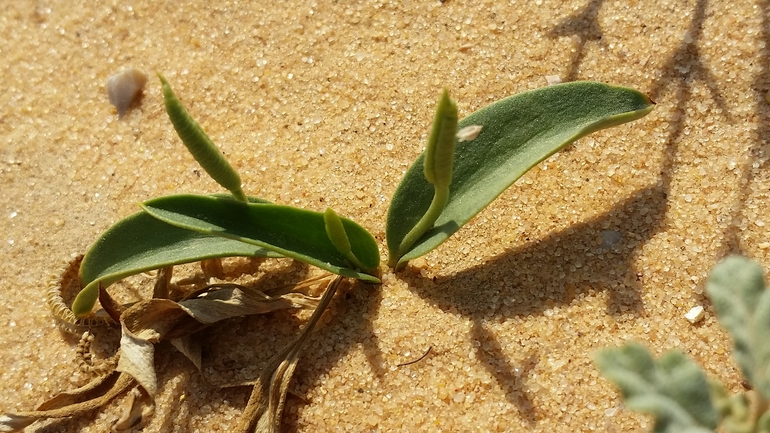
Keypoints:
pixel 200 145
pixel 673 389
pixel 736 286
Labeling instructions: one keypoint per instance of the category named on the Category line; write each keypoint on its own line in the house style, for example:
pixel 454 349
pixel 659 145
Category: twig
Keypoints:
pixel 416 360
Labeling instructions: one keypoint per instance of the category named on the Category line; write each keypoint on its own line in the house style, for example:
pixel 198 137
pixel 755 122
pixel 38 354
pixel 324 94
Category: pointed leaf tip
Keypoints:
pixel 440 150
pixel 517 133
pixel 200 145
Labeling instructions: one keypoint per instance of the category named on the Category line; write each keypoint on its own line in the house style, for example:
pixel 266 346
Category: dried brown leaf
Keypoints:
pixel 139 408
pixel 97 387
pixel 265 407
pixel 162 283
pixel 137 360
pixel 233 302
pixel 150 321
pixel 190 348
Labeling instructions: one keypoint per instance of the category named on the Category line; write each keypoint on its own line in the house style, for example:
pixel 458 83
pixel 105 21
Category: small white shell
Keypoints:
pixel 123 88
pixel 695 315
pixel 469 133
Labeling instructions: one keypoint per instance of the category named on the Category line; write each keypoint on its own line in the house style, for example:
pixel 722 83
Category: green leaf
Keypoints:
pixel 335 230
pixel 439 153
pixel 516 134
pixel 292 232
pixel 200 145
pixel 140 243
pixel 437 168
pixel 736 286
pixel 673 389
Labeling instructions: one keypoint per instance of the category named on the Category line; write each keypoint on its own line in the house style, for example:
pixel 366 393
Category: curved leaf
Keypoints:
pixel 438 162
pixel 673 388
pixel 292 232
pixel 200 145
pixel 140 243
pixel 736 286
pixel 516 134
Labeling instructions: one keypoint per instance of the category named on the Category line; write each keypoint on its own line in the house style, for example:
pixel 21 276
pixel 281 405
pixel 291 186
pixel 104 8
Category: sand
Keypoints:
pixel 326 104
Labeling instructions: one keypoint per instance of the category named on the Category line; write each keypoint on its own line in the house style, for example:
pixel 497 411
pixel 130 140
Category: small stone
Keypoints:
pixel 552 79
pixel 695 315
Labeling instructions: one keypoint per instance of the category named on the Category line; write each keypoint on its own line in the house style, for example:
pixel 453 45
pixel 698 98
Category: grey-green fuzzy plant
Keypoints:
pixel 676 391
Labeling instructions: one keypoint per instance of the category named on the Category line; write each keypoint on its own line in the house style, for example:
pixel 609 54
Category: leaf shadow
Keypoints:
pixel 555 270
pixel 530 279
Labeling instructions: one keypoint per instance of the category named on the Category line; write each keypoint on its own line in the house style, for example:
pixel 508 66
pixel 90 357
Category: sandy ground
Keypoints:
pixel 327 103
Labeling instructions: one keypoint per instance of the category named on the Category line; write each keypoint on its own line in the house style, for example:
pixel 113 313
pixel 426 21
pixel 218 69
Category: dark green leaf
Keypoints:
pixel 516 134
pixel 141 243
pixel 292 232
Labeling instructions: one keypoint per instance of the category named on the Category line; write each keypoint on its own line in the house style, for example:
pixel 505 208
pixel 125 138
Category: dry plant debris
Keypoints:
pixel 150 321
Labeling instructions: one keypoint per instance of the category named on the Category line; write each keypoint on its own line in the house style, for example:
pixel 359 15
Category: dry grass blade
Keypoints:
pixel 265 406
pixel 94 395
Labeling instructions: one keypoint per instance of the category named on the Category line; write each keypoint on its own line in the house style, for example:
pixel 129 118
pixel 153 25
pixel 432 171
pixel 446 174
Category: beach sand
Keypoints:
pixel 327 104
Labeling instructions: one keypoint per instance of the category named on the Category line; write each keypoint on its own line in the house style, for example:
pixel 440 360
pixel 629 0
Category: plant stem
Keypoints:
pixel 440 200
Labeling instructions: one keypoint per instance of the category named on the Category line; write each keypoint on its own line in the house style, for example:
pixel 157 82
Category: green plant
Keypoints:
pixel 516 133
pixel 675 390
pixel 458 175
pixel 441 192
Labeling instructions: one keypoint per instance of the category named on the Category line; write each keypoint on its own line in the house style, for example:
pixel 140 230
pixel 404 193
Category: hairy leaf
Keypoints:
pixel 514 135
pixel 292 232
pixel 140 243
pixel 737 289
pixel 673 389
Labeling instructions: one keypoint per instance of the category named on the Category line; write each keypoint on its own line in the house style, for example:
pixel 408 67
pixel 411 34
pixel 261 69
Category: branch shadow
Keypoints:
pixel 508 376
pixel 759 153
pixel 684 66
pixel 585 25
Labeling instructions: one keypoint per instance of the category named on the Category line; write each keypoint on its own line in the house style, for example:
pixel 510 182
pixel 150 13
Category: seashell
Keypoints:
pixel 124 88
